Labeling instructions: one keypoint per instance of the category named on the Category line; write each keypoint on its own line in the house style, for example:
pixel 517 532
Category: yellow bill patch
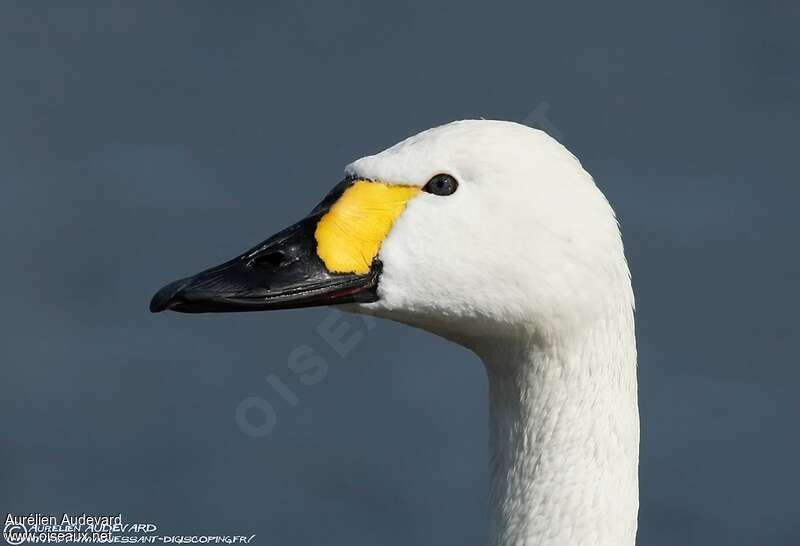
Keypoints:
pixel 349 236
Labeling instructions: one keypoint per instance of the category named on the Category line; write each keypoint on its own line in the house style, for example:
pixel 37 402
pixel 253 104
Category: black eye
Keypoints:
pixel 441 184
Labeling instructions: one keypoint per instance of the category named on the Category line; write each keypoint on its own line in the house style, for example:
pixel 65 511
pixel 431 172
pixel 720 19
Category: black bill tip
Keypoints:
pixel 168 296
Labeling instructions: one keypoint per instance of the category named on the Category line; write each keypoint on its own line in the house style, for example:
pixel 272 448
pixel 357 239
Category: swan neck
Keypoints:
pixel 564 439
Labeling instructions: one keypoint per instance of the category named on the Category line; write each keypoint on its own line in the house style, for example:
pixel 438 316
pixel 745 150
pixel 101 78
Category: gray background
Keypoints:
pixel 142 142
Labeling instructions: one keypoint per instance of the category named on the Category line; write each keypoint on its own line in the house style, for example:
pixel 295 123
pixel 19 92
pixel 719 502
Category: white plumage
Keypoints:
pixel 520 260
pixel 525 266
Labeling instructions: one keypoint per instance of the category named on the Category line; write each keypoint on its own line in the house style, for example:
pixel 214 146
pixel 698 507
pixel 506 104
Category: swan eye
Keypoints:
pixel 441 184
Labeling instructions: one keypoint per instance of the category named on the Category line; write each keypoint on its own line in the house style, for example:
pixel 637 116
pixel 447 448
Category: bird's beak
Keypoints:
pixel 283 272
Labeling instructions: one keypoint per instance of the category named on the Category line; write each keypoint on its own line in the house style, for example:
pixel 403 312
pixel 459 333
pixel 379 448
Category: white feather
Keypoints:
pixel 524 265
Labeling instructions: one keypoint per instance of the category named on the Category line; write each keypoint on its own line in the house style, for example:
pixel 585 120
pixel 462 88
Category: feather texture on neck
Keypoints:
pixel 564 437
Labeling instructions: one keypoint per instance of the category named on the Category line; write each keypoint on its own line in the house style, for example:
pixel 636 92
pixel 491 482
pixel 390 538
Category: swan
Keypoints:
pixel 492 235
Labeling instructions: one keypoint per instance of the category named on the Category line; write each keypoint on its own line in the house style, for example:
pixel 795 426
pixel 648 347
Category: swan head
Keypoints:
pixel 470 229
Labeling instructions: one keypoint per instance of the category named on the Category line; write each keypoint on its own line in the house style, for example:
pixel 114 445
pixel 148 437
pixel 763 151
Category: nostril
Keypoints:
pixel 270 259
